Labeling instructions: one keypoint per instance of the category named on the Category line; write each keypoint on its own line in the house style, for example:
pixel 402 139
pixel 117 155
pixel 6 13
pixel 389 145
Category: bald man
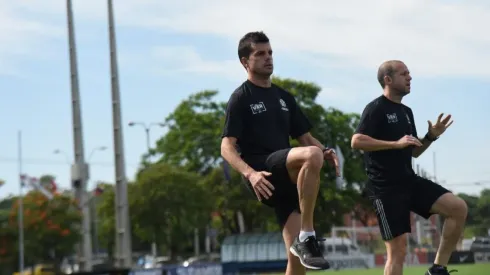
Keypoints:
pixel 388 137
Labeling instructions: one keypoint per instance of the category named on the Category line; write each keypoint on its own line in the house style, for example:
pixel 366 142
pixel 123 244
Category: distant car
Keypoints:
pixel 40 269
pixel 203 259
pixel 480 244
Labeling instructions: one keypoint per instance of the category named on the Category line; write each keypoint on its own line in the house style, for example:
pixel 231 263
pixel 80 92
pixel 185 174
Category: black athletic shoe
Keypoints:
pixel 309 253
pixel 439 270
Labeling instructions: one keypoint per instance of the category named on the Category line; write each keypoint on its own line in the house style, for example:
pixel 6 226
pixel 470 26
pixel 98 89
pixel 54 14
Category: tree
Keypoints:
pixel 192 142
pixel 45 223
pixel 106 217
pixel 48 182
pixel 483 208
pixel 5 206
pixel 169 202
pixel 230 197
pixel 478 221
pixel 472 203
pixel 7 236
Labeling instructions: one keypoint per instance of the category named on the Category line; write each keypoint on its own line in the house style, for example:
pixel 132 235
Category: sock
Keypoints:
pixel 436 266
pixel 303 235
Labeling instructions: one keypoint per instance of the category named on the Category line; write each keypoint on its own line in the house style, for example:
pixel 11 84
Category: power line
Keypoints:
pixel 36 161
pixel 471 183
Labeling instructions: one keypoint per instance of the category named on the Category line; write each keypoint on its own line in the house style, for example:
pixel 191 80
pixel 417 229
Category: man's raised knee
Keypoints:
pixel 313 156
pixel 459 209
pixel 298 157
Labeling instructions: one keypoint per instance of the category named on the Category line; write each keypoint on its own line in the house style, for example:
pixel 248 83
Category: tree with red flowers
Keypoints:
pixel 51 227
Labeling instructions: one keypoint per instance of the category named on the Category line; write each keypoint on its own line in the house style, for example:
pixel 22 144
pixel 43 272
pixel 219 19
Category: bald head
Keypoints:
pixel 388 68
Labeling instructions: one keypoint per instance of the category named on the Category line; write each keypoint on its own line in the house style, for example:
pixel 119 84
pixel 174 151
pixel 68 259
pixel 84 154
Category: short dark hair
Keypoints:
pixel 386 69
pixel 245 44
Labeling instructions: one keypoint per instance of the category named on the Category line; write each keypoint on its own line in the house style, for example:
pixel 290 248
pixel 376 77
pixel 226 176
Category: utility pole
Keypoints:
pixel 123 229
pixel 20 214
pixel 79 170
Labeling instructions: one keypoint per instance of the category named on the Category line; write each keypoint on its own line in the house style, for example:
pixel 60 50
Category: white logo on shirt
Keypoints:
pixel 258 108
pixel 408 119
pixel 283 105
pixel 392 118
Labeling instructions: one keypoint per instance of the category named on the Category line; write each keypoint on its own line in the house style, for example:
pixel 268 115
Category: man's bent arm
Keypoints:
pixel 417 151
pixel 369 144
pixel 230 154
pixel 308 140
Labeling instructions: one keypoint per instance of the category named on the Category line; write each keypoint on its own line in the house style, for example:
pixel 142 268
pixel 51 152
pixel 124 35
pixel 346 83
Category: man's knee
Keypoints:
pixel 314 155
pixel 456 208
pixel 460 208
pixel 451 206
pixel 396 250
pixel 311 155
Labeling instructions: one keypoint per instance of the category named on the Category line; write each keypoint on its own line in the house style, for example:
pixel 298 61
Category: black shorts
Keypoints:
pixel 393 208
pixel 284 199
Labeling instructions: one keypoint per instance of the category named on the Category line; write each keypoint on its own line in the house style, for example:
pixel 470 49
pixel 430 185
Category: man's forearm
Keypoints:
pixel 369 144
pixel 230 154
pixel 417 151
pixel 311 141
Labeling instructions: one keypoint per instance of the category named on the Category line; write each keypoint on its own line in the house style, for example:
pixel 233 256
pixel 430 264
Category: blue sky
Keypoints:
pixel 170 49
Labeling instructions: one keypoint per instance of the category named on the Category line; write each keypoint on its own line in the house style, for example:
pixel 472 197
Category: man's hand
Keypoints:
pixel 440 127
pixel 407 141
pixel 262 187
pixel 330 156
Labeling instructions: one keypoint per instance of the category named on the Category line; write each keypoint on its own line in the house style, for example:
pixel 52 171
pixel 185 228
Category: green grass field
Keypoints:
pixel 474 269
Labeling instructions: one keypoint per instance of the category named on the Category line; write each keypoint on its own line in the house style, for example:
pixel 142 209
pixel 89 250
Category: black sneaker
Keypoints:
pixel 309 253
pixel 439 270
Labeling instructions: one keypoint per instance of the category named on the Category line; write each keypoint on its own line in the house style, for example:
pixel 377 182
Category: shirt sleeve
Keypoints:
pixel 233 117
pixel 369 121
pixel 300 124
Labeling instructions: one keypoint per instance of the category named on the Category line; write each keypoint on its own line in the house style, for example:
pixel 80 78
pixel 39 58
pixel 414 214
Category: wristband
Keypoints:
pixel 427 137
pixel 327 148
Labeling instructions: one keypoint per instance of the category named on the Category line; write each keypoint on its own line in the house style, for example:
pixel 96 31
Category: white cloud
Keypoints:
pixel 185 59
pixel 21 36
pixel 435 38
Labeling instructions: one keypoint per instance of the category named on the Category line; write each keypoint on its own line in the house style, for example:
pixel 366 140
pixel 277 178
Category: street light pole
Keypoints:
pixel 147 128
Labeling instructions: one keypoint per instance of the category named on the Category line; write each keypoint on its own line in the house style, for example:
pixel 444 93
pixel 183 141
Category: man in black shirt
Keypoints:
pixel 388 137
pixel 260 118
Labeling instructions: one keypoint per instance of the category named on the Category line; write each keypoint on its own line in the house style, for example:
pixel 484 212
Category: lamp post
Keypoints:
pixel 68 160
pixel 147 128
pixel 60 152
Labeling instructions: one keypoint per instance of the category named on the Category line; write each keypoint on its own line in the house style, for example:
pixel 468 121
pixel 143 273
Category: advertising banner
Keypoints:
pixel 458 257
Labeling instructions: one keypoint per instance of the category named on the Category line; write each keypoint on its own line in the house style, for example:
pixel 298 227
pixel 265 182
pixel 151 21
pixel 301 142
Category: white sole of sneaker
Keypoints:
pixel 301 260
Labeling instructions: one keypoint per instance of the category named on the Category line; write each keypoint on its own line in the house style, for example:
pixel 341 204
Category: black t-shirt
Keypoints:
pixel 386 120
pixel 262 120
